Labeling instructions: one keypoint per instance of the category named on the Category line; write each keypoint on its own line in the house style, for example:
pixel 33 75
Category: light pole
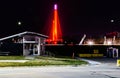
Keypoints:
pixel 90 43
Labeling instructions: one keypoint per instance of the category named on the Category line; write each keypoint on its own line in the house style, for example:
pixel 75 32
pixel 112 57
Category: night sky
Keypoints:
pixel 77 17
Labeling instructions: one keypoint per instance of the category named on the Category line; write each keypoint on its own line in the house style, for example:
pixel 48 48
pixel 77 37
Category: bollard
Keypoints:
pixel 118 62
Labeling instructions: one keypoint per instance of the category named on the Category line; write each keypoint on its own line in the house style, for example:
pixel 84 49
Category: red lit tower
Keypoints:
pixel 55 36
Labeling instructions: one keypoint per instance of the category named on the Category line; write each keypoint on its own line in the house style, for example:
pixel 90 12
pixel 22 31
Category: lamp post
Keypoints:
pixel 90 43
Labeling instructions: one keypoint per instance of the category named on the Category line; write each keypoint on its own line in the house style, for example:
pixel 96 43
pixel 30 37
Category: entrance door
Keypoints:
pixel 115 53
pixel 35 49
pixel 112 52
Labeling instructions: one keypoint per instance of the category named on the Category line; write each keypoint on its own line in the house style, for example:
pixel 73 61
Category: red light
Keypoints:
pixel 56 34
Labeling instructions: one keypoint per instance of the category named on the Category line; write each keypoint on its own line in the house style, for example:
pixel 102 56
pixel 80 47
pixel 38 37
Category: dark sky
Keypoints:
pixel 77 17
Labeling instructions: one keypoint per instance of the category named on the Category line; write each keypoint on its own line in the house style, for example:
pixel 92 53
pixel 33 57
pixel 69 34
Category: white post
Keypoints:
pixel 23 46
pixel 83 38
pixel 114 40
pixel 117 53
pixel 104 40
pixel 39 46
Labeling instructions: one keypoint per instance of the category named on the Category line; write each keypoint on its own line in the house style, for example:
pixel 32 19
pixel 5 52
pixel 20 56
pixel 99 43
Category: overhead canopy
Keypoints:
pixel 24 33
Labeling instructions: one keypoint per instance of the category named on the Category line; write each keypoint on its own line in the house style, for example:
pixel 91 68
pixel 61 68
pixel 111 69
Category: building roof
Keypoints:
pixel 24 33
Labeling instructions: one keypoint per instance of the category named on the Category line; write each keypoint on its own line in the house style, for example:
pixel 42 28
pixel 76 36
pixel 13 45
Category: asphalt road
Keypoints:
pixel 100 70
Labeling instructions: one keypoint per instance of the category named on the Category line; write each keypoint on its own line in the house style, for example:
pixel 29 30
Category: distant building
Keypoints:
pixel 25 43
pixel 112 34
pixel 112 38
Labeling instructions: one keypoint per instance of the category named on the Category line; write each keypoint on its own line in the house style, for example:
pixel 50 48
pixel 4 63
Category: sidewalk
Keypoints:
pixel 99 61
pixel 91 62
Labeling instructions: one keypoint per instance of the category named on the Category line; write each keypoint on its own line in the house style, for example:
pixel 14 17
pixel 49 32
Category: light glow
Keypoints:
pixel 19 23
pixel 111 20
pixel 55 6
pixel 109 42
pixel 90 42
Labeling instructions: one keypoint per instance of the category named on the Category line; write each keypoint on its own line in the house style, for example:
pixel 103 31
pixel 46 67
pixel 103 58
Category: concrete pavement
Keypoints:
pixel 95 69
pixel 91 62
pixel 101 60
pixel 91 71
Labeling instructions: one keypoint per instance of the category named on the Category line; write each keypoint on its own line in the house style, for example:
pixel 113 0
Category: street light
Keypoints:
pixel 90 42
pixel 19 23
pixel 111 20
pixel 109 42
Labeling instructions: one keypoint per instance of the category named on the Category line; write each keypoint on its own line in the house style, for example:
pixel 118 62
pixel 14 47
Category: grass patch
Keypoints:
pixel 61 61
pixel 12 58
pixel 43 61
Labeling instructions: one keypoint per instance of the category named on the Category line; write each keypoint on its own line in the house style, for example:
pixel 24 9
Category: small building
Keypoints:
pixel 25 43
